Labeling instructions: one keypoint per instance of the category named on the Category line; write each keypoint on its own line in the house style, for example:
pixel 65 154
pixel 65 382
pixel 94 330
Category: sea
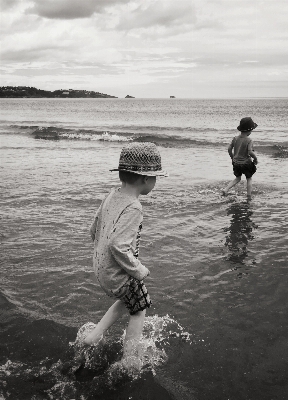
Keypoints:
pixel 218 325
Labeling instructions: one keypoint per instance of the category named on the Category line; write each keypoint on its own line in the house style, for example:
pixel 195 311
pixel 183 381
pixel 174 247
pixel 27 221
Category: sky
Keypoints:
pixel 147 48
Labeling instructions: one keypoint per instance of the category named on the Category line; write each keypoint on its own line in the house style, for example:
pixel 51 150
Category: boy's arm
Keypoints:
pixel 251 152
pixel 94 225
pixel 230 149
pixel 120 243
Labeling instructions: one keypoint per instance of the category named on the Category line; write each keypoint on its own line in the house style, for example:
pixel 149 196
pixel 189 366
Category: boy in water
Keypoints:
pixel 241 150
pixel 116 236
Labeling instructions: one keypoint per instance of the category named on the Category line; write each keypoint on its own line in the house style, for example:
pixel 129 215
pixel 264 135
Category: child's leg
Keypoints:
pixel 133 331
pixel 231 184
pixel 112 315
pixel 249 187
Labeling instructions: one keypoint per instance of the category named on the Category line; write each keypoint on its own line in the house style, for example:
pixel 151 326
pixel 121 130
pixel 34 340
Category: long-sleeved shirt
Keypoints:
pixel 116 235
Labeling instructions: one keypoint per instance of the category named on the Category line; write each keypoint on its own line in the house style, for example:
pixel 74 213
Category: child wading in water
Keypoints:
pixel 116 235
pixel 241 150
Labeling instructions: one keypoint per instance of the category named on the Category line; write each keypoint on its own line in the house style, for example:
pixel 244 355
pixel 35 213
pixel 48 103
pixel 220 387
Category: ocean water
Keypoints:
pixel 218 325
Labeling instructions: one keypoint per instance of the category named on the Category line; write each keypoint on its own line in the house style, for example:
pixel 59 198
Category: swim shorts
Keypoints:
pixel 134 295
pixel 247 169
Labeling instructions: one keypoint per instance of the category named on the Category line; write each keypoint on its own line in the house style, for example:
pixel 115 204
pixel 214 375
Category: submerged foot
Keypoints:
pixel 223 193
pixel 85 340
pixel 88 335
pixel 92 336
pixel 92 339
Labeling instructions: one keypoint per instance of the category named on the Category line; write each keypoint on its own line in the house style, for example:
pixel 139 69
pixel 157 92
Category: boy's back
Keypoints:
pixel 242 145
pixel 241 152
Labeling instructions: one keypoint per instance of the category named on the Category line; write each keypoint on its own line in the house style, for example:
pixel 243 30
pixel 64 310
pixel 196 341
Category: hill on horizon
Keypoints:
pixel 26 91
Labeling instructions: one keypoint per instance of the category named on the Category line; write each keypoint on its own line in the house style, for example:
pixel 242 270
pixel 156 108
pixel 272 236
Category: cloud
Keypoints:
pixel 117 43
pixel 161 13
pixel 70 9
pixel 7 4
pixel 42 53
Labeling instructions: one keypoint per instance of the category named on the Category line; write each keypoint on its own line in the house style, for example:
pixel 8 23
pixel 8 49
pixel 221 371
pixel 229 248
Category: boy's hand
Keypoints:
pixel 255 162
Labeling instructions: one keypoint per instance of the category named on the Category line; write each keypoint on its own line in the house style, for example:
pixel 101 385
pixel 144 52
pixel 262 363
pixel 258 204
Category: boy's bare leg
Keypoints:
pixel 133 332
pixel 231 184
pixel 112 315
pixel 249 187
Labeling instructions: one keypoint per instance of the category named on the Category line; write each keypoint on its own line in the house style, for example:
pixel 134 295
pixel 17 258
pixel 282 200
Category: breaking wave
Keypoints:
pixel 175 137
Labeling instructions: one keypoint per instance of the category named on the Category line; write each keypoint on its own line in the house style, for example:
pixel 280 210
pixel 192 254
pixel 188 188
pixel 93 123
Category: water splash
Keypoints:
pixel 142 355
pixel 105 366
pixel 10 368
pixel 162 329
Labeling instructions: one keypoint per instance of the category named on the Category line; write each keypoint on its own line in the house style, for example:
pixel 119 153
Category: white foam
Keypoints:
pixel 114 138
pixel 105 137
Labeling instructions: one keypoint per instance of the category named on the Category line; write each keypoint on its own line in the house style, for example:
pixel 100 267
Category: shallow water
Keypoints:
pixel 218 265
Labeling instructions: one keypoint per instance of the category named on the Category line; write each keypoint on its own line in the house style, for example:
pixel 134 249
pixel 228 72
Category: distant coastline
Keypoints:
pixel 26 91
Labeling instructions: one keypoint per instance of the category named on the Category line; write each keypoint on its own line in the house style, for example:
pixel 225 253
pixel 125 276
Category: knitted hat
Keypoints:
pixel 246 125
pixel 142 159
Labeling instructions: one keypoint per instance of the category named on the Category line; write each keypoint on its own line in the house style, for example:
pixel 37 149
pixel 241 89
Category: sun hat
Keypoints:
pixel 246 125
pixel 142 159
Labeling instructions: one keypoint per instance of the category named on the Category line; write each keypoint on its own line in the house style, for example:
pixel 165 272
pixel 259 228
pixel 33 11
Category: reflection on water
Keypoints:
pixel 240 232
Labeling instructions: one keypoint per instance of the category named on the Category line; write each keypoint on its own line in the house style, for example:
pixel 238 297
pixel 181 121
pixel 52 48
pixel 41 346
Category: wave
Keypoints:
pixel 55 133
pixel 275 150
pixel 162 139
pixel 174 137
pixel 5 304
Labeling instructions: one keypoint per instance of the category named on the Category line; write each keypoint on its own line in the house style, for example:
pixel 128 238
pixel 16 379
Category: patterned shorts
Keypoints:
pixel 247 169
pixel 134 295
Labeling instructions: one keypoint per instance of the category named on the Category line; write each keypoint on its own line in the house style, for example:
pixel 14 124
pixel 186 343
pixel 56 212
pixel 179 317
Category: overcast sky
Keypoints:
pixel 147 48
